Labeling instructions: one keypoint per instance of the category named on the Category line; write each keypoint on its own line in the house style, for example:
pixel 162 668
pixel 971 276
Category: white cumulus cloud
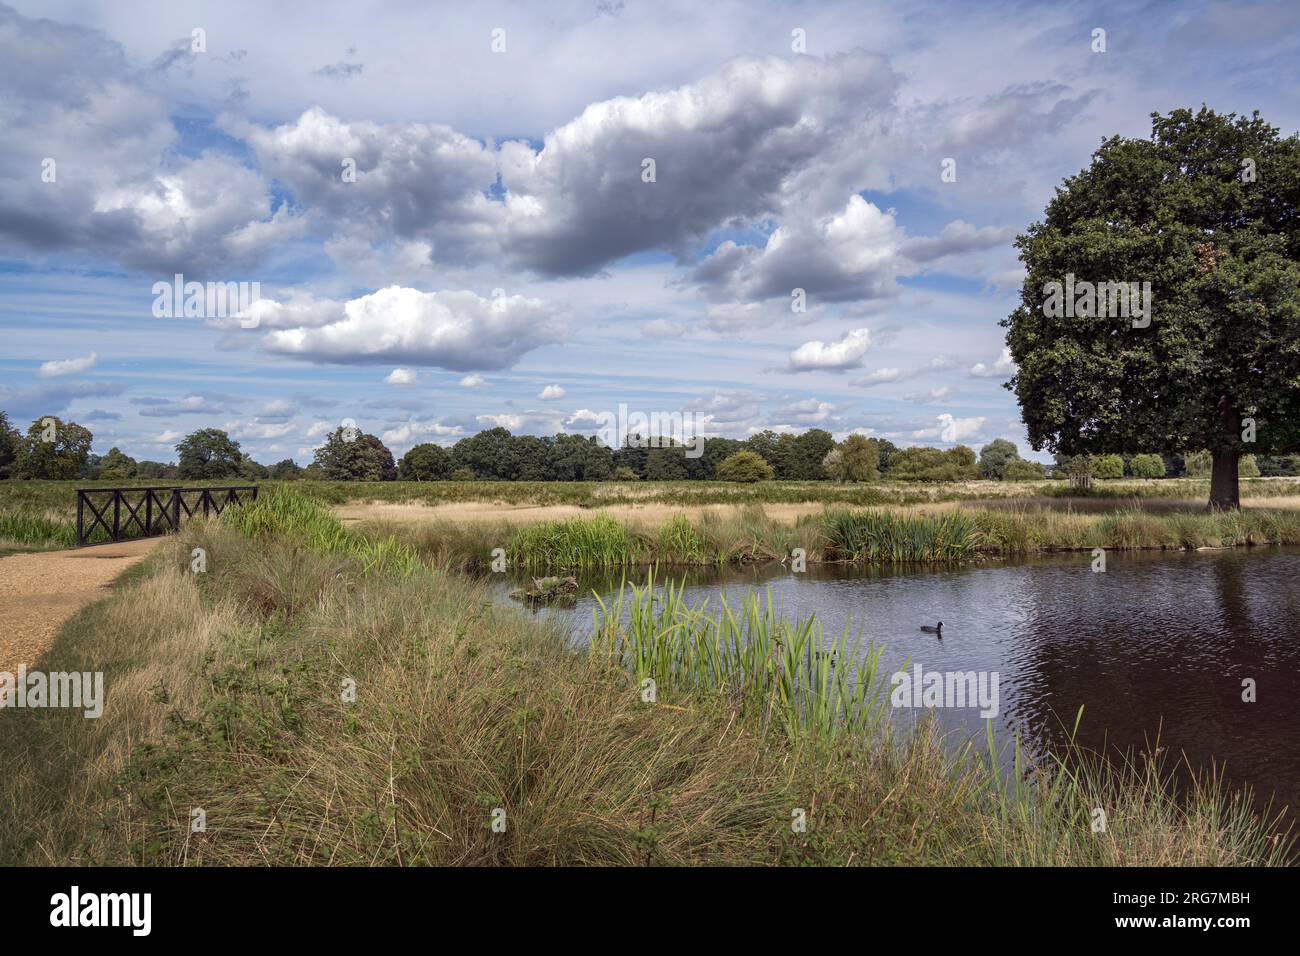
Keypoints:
pixel 833 356
pixel 458 330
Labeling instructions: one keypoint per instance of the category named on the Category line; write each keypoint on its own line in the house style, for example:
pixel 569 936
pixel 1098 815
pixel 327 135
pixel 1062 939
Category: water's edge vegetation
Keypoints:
pixel 328 697
pixel 836 534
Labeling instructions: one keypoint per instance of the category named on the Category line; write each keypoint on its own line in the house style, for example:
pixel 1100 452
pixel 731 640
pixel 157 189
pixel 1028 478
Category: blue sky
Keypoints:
pixel 499 258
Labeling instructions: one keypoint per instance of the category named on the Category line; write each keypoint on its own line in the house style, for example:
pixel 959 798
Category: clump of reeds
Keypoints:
pixel 750 657
pixel 576 544
pixel 883 536
pixel 678 541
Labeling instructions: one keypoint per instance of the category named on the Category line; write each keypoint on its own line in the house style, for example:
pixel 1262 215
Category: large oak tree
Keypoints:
pixel 1206 210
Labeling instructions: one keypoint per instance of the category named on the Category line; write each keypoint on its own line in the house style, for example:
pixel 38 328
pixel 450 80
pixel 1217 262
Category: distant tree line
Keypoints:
pixel 54 449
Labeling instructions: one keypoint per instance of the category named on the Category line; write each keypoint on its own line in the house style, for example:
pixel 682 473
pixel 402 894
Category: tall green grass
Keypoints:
pixel 576 544
pixel 886 537
pixel 286 512
pixel 29 527
pixel 749 658
pixel 678 541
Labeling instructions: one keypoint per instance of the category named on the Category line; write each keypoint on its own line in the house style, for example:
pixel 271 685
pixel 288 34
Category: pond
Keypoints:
pixel 1156 648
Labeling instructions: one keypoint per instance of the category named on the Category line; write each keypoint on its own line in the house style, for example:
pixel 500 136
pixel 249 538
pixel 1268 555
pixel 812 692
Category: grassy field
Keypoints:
pixel 324 703
pixel 42 495
pixel 40 514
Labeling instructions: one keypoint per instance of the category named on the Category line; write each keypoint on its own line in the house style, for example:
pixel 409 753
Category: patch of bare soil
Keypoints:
pixel 41 590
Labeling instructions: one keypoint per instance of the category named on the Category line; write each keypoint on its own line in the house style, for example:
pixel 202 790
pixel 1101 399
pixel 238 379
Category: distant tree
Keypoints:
pixel 10 440
pixel 252 470
pixel 784 460
pixel 1147 466
pixel 745 466
pixel 209 453
pixel 286 470
pixel 150 470
pixel 667 463
pixel 574 458
pixel 489 454
pixel 462 474
pixel 994 458
pixel 807 453
pixel 1108 466
pixel 716 450
pixel 767 444
pixel 53 449
pixel 887 448
pixel 530 458
pixel 1018 469
pixel 859 459
pixel 115 466
pixel 633 455
pixel 347 456
pixel 623 473
pixel 963 457
pixel 1247 467
pixel 425 462
pixel 833 464
pixel 931 464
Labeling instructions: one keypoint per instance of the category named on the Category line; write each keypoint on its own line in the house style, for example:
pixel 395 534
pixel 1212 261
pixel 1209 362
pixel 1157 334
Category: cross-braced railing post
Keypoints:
pixel 170 511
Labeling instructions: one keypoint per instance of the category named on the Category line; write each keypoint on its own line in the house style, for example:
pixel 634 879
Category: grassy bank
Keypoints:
pixel 837 534
pixel 228 691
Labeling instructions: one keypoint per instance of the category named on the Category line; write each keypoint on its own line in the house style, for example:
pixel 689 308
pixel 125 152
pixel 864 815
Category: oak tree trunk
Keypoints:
pixel 1225 489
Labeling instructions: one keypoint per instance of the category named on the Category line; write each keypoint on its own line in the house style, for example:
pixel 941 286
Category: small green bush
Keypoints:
pixel 1018 469
pixel 1108 466
pixel 1147 466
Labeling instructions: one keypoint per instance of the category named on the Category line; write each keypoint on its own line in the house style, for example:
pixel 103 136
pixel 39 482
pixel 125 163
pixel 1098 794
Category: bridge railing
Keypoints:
pixel 142 512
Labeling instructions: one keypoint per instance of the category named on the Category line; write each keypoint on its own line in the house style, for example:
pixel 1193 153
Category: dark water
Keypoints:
pixel 1154 649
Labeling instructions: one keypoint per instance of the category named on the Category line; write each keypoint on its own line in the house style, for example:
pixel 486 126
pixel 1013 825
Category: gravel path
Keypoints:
pixel 41 590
